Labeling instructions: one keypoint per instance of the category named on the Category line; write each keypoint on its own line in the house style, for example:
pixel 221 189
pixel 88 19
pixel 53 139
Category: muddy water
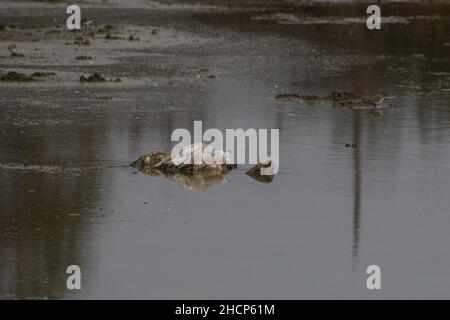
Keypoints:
pixel 67 196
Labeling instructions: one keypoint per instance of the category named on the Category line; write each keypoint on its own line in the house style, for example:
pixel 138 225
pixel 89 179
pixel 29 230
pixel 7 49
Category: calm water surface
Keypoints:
pixel 67 196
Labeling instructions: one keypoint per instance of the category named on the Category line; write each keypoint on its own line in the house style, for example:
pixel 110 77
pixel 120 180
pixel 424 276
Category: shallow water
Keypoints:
pixel 69 198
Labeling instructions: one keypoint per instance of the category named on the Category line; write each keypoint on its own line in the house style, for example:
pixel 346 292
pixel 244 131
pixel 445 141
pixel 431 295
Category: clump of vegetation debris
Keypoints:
pixel 342 99
pixel 13 76
pixel 97 77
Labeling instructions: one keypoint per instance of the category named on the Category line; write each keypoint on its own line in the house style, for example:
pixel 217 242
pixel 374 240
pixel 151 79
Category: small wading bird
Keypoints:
pixel 376 103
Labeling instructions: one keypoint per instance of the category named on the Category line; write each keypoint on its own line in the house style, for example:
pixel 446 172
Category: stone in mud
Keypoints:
pixel 16 77
pixel 255 172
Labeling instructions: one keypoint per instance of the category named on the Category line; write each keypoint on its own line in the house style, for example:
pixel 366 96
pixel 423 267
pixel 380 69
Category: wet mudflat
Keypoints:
pixel 354 188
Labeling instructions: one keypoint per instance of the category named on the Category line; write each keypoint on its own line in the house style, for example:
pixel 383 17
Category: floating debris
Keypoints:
pixel 351 145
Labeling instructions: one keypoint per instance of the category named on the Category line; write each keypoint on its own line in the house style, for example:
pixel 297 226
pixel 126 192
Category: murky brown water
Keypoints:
pixel 66 197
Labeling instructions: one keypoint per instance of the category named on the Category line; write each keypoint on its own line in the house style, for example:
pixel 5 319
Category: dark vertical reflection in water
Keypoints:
pixel 356 185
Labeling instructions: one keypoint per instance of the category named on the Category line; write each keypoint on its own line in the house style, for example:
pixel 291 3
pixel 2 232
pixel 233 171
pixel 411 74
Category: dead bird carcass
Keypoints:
pixel 214 167
pixel 211 160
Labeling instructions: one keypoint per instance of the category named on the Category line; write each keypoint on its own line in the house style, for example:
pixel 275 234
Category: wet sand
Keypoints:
pixel 353 189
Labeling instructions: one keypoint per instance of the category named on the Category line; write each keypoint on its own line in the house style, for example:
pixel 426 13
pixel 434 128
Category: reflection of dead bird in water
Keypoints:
pixel 213 169
pixel 196 181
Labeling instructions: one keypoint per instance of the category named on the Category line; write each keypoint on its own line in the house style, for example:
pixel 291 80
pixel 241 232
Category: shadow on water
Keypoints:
pixel 356 184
